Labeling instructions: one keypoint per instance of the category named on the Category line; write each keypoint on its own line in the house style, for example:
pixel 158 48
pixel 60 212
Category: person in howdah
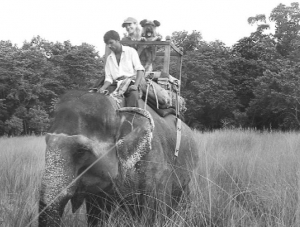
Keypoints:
pixel 132 28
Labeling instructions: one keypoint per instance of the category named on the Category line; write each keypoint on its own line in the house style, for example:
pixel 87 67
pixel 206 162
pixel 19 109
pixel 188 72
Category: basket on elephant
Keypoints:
pixel 162 91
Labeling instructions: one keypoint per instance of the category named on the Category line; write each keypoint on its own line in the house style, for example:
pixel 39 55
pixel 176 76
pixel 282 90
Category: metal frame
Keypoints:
pixel 169 46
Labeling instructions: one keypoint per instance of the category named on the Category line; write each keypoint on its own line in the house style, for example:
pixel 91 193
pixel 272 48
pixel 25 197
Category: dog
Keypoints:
pixel 149 33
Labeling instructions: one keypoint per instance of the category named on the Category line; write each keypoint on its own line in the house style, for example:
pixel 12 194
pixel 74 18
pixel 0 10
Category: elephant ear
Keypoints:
pixel 134 136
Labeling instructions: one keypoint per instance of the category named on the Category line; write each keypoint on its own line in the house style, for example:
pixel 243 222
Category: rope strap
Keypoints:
pixel 140 111
pixel 178 138
pixel 150 83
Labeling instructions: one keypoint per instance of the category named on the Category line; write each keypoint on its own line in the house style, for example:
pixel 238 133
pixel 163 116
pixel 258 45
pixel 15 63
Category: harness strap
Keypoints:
pixel 178 136
pixel 147 91
pixel 177 105
pixel 150 83
pixel 178 125
pixel 140 111
pixel 154 90
pixel 171 96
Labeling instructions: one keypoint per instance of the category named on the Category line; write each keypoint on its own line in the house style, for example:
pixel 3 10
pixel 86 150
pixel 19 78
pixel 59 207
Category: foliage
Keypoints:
pixel 188 42
pixel 277 96
pixel 207 87
pixel 38 72
pixel 276 89
pixel 38 120
pixel 13 126
pixel 287 27
pixel 255 83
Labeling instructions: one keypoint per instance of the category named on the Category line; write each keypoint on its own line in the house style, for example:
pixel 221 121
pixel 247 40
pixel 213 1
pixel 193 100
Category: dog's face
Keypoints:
pixel 149 28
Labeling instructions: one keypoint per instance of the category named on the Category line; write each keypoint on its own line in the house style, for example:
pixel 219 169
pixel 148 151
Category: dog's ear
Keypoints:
pixel 143 22
pixel 157 23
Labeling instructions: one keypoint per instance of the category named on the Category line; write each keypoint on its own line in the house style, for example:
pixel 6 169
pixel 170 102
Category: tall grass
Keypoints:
pixel 21 164
pixel 21 167
pixel 244 178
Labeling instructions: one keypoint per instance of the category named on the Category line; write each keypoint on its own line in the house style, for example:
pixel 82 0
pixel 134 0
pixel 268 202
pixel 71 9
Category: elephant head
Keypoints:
pixel 66 158
pixel 89 148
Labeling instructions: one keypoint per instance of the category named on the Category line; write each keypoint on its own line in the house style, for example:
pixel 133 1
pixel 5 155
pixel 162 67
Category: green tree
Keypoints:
pixel 3 115
pixel 13 126
pixel 277 98
pixel 185 41
pixel 37 73
pixel 287 27
pixel 274 86
pixel 38 120
pixel 206 86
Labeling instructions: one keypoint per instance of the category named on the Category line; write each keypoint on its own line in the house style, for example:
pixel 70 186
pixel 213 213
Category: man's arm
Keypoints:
pixel 108 78
pixel 139 77
pixel 105 86
pixel 139 69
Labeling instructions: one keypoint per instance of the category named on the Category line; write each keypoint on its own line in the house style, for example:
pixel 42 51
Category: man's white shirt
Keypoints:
pixel 129 64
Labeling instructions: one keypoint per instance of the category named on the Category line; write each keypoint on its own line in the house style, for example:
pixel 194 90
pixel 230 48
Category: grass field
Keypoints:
pixel 244 178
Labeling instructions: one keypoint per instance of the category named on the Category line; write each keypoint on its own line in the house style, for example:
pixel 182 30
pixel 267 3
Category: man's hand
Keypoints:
pixel 93 90
pixel 132 88
pixel 103 91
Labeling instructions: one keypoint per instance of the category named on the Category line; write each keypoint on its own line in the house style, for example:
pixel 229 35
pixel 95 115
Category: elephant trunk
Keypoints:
pixel 50 215
pixel 56 189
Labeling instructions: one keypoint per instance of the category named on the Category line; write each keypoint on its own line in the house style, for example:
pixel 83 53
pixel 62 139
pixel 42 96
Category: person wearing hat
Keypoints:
pixel 122 63
pixel 132 28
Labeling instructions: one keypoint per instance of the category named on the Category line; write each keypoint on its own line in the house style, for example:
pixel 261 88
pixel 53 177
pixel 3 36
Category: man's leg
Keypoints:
pixel 98 84
pixel 131 99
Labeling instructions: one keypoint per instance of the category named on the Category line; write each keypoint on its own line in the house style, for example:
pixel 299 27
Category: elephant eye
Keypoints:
pixel 81 149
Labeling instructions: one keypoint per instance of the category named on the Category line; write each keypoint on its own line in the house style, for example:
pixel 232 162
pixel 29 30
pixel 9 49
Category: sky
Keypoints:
pixel 87 20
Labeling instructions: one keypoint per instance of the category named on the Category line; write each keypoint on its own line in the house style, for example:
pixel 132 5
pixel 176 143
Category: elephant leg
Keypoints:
pixel 158 204
pixel 181 195
pixel 177 195
pixel 98 208
pixel 132 204
pixel 166 206
pixel 131 99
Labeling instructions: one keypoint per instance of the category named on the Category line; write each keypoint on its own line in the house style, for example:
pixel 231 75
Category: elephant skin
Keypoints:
pixel 131 152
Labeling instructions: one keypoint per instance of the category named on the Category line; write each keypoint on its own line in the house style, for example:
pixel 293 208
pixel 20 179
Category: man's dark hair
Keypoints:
pixel 111 35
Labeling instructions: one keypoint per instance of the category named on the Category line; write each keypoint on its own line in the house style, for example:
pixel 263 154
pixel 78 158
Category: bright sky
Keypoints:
pixel 88 20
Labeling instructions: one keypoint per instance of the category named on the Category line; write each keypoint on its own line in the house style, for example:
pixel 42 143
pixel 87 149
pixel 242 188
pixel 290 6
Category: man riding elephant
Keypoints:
pixel 122 63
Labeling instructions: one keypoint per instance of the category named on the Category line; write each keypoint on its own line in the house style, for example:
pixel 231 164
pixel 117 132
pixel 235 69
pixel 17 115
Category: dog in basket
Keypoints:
pixel 149 33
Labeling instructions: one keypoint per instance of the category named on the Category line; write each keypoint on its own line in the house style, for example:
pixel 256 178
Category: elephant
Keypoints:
pixel 101 154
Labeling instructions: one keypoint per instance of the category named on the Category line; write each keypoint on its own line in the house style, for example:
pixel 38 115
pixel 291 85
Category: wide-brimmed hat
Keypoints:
pixel 129 20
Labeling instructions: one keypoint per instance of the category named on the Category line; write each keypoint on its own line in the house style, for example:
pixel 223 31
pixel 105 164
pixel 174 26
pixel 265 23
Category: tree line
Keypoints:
pixel 34 76
pixel 255 83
